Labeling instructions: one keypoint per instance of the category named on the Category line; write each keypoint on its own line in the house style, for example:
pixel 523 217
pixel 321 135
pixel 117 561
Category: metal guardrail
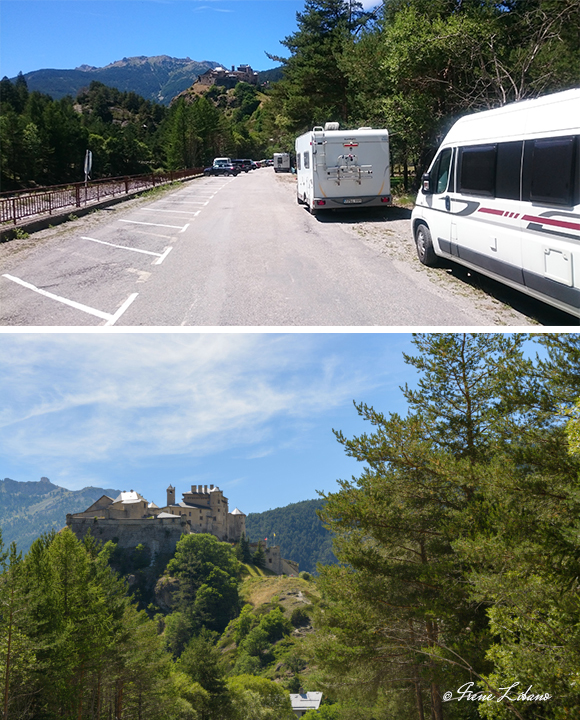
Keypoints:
pixel 15 206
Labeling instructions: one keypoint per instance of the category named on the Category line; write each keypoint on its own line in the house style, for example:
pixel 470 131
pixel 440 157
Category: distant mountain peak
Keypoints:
pixel 158 78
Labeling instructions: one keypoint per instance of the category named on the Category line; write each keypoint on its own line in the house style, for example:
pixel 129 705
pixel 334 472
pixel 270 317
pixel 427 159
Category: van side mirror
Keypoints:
pixel 426 184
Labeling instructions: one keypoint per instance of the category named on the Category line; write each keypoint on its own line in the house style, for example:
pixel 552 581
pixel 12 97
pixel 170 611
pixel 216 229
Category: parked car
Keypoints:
pixel 222 166
pixel 245 165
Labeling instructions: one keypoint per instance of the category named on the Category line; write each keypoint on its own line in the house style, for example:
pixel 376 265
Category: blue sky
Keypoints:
pixel 251 413
pixel 64 34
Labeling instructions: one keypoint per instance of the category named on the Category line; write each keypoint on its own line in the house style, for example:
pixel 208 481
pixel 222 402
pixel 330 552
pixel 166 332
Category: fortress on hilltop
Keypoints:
pixel 130 519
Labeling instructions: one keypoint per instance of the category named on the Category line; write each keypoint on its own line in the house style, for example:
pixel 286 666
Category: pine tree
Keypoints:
pixel 476 472
pixel 315 86
pixel 259 557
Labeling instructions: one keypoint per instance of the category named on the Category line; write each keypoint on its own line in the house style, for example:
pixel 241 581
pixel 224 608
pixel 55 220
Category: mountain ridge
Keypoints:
pixel 29 509
pixel 158 78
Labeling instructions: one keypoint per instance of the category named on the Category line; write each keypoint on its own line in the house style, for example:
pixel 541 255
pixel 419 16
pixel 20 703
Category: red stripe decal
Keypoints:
pixel 490 211
pixel 550 221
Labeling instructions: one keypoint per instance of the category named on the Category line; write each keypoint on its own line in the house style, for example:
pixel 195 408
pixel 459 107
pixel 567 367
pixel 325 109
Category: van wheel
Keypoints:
pixel 299 200
pixel 424 245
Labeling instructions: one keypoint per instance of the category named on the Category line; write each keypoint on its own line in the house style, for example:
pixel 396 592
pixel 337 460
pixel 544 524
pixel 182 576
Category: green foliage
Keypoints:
pixel 325 712
pixel 256 698
pixel 573 430
pixel 275 625
pixel 256 639
pixel 242 550
pixel 207 571
pixel 259 557
pixel 71 640
pixel 202 663
pixel 299 617
pixel 315 87
pixel 73 644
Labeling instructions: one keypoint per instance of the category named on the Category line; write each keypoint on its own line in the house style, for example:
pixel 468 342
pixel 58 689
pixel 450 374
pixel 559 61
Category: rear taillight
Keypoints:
pixel 386 199
pixel 320 202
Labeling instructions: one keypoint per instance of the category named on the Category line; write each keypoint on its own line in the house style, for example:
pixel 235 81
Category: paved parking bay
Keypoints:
pixel 86 279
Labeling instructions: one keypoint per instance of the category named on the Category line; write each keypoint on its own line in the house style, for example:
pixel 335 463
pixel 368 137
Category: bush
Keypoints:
pixel 299 617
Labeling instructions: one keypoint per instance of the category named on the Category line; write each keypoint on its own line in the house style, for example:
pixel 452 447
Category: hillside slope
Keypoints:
pixel 28 509
pixel 297 530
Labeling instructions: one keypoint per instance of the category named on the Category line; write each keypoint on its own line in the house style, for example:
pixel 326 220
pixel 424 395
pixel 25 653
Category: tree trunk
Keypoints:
pixel 119 700
pixel 436 703
pixel 7 680
pixel 416 682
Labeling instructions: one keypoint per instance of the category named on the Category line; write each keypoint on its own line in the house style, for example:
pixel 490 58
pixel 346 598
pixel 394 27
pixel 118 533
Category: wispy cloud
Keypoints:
pixel 89 397
pixel 202 8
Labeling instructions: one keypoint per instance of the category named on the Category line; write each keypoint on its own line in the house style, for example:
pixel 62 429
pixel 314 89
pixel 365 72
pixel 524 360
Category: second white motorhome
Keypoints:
pixel 281 162
pixel 502 196
pixel 343 168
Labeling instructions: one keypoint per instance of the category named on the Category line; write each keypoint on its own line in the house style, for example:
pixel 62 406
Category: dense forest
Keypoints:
pixel 412 66
pixel 298 531
pixel 456 595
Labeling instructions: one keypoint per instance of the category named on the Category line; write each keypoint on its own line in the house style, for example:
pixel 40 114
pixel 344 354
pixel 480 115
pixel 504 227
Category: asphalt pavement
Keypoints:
pixel 222 252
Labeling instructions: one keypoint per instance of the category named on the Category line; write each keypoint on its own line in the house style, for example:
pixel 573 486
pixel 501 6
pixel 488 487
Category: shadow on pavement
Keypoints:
pixel 534 309
pixel 361 215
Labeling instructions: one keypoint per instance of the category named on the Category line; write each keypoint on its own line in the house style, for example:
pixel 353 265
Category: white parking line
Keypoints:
pixel 184 228
pixel 191 202
pixel 169 210
pixel 161 256
pixel 136 222
pixel 111 319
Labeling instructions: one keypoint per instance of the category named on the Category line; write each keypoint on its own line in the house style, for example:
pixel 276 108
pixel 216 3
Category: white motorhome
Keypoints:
pixel 502 197
pixel 341 168
pixel 281 162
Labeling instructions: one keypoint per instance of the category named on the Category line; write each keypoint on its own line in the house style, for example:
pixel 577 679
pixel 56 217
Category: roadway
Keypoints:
pixel 233 252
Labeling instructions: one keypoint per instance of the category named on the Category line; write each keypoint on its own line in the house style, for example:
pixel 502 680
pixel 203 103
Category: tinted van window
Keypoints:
pixel 508 170
pixel 552 171
pixel 477 170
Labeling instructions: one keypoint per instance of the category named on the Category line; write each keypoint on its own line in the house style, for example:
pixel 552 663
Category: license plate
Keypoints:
pixel 351 201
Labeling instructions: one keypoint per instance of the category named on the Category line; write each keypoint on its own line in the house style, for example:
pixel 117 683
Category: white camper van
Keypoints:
pixel 502 196
pixel 281 162
pixel 343 168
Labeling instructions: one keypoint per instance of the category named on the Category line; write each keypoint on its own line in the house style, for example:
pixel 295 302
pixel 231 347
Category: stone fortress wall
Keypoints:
pixel 129 520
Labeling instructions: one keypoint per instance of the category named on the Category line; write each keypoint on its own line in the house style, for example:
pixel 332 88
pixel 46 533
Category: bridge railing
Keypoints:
pixel 17 205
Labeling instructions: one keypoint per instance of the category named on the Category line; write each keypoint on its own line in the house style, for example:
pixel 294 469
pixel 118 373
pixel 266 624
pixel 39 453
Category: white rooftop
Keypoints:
pixel 306 701
pixel 129 496
pixel 237 512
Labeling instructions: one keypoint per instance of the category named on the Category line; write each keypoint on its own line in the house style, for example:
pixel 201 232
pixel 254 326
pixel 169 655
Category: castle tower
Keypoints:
pixel 170 495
